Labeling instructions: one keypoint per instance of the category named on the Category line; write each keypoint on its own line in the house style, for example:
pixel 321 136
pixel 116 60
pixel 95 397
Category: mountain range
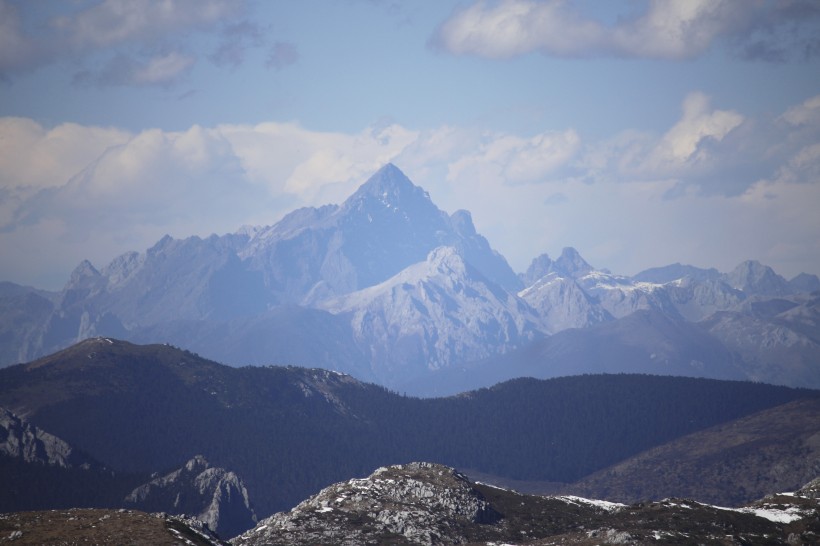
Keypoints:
pixel 390 289
pixel 158 428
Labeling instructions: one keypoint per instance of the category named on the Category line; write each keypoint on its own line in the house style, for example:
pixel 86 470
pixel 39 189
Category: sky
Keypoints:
pixel 642 133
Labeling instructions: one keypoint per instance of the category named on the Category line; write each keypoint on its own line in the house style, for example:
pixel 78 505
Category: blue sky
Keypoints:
pixel 640 132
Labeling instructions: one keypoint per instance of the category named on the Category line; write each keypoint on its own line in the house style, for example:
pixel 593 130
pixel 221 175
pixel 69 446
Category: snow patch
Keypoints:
pixel 604 505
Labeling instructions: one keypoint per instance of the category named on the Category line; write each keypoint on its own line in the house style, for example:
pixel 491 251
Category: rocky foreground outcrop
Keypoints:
pixel 425 504
pixel 417 503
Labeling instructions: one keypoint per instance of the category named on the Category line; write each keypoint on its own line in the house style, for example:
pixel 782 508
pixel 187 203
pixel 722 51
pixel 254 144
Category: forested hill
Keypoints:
pixel 290 431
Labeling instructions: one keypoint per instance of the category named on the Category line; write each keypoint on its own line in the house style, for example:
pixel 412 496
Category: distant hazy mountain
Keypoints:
pixel 673 272
pixel 433 315
pixel 389 288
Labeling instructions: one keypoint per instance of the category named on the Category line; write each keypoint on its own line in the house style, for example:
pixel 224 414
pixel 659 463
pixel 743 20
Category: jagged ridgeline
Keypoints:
pixel 287 432
pixel 389 288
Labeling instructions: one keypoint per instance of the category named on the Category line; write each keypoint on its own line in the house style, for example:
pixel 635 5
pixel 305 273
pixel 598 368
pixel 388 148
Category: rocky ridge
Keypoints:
pixel 416 503
pixel 425 504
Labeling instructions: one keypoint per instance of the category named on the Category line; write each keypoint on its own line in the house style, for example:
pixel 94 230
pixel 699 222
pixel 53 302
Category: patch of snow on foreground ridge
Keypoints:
pixel 604 505
pixel 774 514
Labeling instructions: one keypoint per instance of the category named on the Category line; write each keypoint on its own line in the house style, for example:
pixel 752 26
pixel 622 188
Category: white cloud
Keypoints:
pixel 807 113
pixel 683 145
pixel 668 29
pixel 516 160
pixel 513 27
pixel 33 157
pixel 311 165
pixel 677 29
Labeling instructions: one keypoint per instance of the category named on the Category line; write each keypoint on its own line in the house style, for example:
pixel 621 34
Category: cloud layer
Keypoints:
pixel 685 194
pixel 665 29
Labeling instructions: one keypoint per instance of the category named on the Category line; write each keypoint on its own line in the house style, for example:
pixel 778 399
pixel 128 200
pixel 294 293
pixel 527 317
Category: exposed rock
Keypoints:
pixel 22 440
pixel 416 503
pixel 214 496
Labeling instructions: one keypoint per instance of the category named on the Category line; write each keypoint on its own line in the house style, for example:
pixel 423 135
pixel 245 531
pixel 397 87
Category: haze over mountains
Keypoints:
pixel 390 289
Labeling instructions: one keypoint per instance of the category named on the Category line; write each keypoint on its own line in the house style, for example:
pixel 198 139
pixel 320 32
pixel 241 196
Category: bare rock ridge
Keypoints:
pixel 416 503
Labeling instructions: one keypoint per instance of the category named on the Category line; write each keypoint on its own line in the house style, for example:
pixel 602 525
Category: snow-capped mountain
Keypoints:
pixel 562 303
pixel 435 314
pixel 388 224
pixel 385 286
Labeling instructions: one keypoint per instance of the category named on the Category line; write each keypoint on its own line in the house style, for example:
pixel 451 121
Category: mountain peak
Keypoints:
pixel 571 264
pixel 83 271
pixel 755 278
pixel 390 187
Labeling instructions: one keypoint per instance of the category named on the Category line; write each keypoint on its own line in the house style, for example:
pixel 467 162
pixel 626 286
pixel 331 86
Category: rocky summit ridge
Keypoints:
pixel 416 503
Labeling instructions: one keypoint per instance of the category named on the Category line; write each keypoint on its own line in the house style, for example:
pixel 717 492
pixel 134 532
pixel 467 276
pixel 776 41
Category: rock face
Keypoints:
pixel 21 440
pixel 416 503
pixel 214 496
